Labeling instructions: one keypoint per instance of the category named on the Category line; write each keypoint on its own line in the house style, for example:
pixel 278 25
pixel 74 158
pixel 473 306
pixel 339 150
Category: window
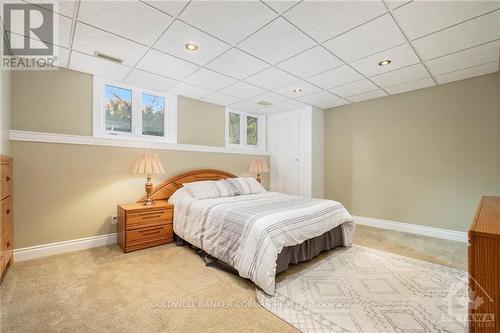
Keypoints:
pixel 244 130
pixel 122 111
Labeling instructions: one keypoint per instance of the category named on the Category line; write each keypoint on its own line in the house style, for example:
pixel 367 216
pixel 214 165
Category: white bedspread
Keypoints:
pixel 249 231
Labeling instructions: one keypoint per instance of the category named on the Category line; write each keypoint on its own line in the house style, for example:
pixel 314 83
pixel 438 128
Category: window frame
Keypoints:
pixel 261 131
pixel 99 122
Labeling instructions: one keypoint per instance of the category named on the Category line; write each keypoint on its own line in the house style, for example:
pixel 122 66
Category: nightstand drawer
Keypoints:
pixel 143 219
pixel 5 180
pixel 147 235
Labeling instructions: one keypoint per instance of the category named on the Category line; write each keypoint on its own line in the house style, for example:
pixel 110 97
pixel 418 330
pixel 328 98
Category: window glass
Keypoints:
pixel 234 128
pixel 153 113
pixel 118 109
pixel 252 131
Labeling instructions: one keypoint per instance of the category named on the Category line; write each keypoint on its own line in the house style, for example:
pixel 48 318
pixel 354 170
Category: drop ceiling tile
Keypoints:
pixel 271 78
pixel 471 33
pixel 393 4
pixel 89 40
pixel 173 41
pixel 65 8
pixel 335 77
pixel 420 18
pixel 276 42
pixel 409 86
pixel 400 56
pixel 131 19
pixel 60 54
pixel 106 69
pixel 149 81
pixel 333 104
pixel 281 6
pixel 209 79
pixel 362 41
pixel 220 99
pixel 166 65
pixel 290 105
pixel 242 90
pixel 246 106
pixel 354 88
pixel 223 19
pixel 269 97
pixel 306 88
pixel 468 72
pixel 237 64
pixel 318 98
pixel 188 90
pixel 310 62
pixel 463 59
pixel 171 7
pixel 399 76
pixel 323 20
pixel 367 96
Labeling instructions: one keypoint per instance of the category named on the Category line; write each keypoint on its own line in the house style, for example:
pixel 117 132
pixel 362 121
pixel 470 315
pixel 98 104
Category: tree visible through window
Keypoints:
pixel 234 128
pixel 153 113
pixel 252 131
pixel 118 109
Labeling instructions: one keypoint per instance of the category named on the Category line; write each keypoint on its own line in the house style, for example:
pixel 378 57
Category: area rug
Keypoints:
pixel 358 289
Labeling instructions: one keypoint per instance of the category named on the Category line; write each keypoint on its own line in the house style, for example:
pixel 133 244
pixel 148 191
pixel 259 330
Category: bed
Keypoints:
pixel 257 234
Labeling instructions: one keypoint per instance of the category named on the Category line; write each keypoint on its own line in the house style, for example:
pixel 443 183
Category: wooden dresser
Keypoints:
pixel 142 226
pixel 6 228
pixel 484 267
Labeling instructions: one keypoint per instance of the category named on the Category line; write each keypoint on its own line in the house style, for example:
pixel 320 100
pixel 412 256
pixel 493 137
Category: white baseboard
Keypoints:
pixel 453 235
pixel 44 250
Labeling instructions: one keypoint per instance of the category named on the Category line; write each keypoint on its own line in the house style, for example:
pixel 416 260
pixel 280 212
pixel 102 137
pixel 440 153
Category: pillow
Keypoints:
pixel 209 189
pixel 179 196
pixel 245 185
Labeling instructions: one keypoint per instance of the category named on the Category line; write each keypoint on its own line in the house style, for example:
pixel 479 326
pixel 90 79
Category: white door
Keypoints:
pixel 283 142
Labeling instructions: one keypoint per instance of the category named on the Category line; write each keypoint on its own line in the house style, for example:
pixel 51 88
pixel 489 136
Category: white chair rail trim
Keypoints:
pixel 16 135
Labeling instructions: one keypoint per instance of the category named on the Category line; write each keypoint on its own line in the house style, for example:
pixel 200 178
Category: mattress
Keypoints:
pixel 248 232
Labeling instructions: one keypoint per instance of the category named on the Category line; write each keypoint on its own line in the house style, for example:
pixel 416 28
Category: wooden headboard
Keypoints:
pixel 168 187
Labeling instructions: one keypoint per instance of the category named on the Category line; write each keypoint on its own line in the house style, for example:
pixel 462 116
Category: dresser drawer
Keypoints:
pixel 7 246
pixel 6 214
pixel 149 218
pixel 5 180
pixel 146 235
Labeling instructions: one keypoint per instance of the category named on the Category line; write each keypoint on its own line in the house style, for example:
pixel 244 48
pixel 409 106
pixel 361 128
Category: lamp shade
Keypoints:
pixel 258 165
pixel 147 164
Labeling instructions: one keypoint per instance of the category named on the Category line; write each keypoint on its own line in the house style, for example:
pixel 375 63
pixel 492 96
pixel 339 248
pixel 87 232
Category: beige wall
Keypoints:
pixel 200 123
pixel 423 157
pixel 5 111
pixel 61 102
pixel 64 192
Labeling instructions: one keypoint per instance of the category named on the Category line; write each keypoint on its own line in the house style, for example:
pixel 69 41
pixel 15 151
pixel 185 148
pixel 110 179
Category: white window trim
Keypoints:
pixel 99 121
pixel 261 131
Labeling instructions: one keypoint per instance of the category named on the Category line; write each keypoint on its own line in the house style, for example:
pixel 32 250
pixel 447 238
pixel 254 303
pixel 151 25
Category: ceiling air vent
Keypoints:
pixel 107 57
pixel 264 103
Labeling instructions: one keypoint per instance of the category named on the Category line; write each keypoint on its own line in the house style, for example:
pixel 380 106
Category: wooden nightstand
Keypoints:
pixel 142 226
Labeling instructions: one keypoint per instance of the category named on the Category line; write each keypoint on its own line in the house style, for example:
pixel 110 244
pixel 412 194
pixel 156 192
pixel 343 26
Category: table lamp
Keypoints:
pixel 258 166
pixel 147 164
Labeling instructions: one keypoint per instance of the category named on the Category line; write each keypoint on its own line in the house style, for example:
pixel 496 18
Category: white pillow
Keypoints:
pixel 209 189
pixel 180 195
pixel 245 185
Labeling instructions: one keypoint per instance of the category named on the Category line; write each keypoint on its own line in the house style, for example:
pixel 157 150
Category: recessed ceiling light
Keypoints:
pixel 384 62
pixel 191 46
pixel 297 90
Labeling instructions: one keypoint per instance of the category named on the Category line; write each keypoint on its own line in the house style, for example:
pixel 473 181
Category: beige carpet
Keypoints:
pixel 162 289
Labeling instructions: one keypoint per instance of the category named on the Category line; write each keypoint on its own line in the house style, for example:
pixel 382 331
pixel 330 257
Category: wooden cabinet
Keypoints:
pixel 484 267
pixel 142 226
pixel 6 212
